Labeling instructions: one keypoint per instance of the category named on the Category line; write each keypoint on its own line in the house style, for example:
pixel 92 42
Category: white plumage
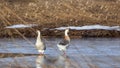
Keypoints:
pixel 41 47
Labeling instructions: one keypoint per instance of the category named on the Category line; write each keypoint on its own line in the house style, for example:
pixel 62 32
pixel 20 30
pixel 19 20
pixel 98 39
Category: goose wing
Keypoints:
pixel 44 46
pixel 41 46
pixel 64 42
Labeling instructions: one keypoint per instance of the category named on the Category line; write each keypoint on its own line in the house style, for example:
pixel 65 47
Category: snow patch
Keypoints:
pixel 21 26
pixel 90 27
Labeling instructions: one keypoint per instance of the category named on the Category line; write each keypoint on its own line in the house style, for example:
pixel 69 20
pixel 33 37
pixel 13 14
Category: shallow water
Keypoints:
pixel 82 53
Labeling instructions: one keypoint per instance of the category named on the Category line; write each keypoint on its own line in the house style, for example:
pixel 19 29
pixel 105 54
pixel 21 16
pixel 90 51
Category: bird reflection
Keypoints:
pixel 47 61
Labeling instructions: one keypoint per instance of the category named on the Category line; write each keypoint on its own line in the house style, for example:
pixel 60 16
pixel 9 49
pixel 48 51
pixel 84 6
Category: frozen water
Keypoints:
pixel 84 53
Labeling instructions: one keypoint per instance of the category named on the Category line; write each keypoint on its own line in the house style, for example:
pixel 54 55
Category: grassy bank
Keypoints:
pixel 56 13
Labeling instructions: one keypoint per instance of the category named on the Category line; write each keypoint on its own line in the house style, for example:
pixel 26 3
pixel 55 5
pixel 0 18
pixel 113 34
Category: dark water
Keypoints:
pixel 82 53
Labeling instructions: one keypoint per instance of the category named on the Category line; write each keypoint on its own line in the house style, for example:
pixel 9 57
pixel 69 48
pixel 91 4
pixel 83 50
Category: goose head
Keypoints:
pixel 38 32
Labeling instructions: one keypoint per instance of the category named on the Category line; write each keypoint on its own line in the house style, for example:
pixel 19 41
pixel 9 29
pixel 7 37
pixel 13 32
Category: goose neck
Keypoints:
pixel 66 33
pixel 38 37
pixel 67 36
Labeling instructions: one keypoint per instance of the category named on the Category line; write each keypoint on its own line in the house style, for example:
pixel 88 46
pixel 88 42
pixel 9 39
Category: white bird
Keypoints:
pixel 63 44
pixel 41 47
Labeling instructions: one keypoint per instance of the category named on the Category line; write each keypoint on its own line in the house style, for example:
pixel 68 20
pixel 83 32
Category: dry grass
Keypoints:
pixel 56 13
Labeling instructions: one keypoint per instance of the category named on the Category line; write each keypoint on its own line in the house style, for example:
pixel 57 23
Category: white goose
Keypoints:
pixel 63 44
pixel 41 47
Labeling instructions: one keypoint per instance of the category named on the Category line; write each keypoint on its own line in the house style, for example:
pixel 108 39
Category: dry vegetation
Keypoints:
pixel 56 13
